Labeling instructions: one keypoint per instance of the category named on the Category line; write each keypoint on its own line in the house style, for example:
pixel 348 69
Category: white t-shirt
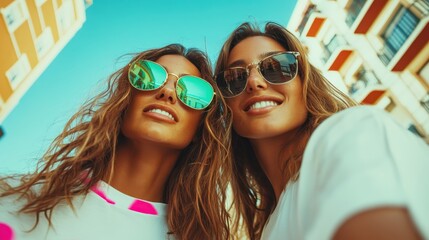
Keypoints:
pixel 105 213
pixel 355 160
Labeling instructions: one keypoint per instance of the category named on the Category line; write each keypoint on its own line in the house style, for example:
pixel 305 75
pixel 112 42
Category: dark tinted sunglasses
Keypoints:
pixel 278 68
pixel 194 92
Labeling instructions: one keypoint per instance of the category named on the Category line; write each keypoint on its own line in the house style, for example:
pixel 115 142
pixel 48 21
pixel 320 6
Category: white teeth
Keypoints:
pixel 262 104
pixel 162 112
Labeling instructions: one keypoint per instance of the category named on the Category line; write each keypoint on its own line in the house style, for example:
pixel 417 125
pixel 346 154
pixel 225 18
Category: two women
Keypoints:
pixel 307 163
pixel 141 160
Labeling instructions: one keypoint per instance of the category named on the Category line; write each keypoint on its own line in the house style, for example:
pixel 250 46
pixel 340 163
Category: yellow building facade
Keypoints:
pixel 32 33
pixel 376 51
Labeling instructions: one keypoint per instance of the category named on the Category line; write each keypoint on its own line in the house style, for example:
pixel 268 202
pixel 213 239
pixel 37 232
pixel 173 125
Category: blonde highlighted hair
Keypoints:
pixel 83 154
pixel 254 196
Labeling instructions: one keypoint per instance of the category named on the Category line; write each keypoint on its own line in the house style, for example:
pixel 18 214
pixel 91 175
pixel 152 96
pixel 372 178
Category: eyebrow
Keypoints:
pixel 241 62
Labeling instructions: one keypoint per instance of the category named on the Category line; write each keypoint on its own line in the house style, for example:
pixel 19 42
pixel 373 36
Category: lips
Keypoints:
pixel 162 110
pixel 261 102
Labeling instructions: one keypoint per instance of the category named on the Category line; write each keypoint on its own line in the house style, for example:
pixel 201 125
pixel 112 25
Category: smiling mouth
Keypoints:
pixel 162 112
pixel 261 104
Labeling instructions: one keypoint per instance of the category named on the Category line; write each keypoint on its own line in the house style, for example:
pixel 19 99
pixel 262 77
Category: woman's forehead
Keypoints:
pixel 179 65
pixel 254 48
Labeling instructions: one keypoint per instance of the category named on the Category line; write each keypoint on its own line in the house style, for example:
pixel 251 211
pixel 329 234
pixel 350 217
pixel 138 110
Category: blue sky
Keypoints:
pixel 113 29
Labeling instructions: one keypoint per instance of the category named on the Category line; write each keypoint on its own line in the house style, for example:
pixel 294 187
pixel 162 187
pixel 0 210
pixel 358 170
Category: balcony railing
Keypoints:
pixel 334 44
pixel 397 33
pixel 386 54
pixel 354 10
pixel 307 15
pixel 366 79
pixel 421 7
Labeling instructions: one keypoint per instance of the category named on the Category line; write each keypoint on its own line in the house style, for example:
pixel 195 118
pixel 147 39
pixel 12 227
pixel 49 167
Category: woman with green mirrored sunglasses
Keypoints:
pixel 141 160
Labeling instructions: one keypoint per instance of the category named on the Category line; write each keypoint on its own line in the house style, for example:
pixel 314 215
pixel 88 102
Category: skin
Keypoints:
pixel 153 141
pixel 271 127
pixel 378 224
pixel 272 132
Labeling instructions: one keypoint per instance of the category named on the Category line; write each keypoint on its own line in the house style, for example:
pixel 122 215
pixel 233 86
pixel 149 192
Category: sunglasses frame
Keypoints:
pixel 257 64
pixel 165 81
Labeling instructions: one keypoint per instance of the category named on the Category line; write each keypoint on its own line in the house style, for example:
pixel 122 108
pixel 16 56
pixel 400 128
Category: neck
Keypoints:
pixel 142 171
pixel 272 154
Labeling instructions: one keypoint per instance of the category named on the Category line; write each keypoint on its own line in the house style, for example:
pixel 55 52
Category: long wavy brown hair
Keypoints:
pixel 254 196
pixel 196 189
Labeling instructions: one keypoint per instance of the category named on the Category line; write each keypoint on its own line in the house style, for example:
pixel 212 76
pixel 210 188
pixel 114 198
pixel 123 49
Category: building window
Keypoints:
pixel 15 14
pixel 397 33
pixel 364 78
pixel 310 10
pixel 44 42
pixel 333 44
pixel 66 16
pixel 354 10
pixel 18 71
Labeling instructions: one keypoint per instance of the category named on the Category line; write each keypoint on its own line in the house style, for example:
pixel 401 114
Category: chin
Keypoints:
pixel 269 132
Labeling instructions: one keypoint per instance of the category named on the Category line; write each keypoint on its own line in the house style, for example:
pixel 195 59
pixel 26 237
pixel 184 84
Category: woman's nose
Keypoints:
pixel 167 92
pixel 255 81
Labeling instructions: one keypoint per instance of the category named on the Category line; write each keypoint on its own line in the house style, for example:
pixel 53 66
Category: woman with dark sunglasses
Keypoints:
pixel 141 160
pixel 308 163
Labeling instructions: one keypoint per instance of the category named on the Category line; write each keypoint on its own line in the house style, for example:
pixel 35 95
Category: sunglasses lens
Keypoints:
pixel 232 81
pixel 279 68
pixel 195 92
pixel 146 75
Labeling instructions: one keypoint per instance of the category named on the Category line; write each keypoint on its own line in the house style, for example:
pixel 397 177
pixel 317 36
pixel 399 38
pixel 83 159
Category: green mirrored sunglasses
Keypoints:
pixel 194 92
